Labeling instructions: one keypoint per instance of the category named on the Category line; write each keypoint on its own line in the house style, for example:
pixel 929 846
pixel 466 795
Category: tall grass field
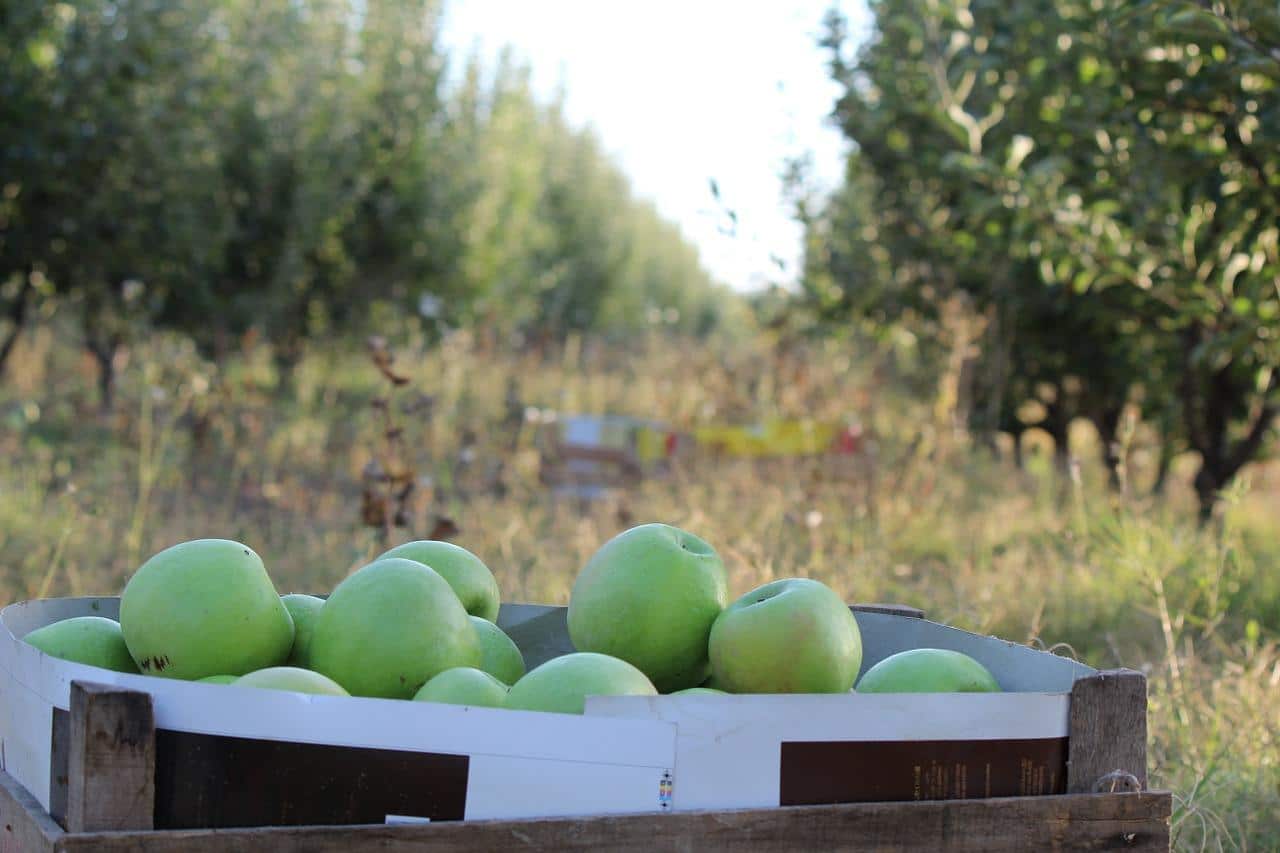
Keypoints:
pixel 924 515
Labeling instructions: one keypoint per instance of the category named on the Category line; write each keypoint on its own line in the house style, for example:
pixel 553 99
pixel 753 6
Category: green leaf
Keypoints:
pixel 1088 69
pixel 1197 22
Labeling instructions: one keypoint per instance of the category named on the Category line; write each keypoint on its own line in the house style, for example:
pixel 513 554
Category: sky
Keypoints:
pixel 683 92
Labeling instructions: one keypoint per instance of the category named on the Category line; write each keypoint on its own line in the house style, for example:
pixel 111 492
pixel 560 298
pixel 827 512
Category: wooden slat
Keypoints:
pixel 1108 733
pixel 111 767
pixel 1134 822
pixel 59 755
pixel 27 828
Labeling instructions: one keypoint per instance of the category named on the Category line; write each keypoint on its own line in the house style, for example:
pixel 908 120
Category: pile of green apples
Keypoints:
pixel 648 614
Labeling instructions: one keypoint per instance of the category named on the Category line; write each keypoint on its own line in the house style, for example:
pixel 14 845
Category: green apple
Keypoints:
pixel 562 684
pixel 204 607
pixel 928 671
pixel 291 678
pixel 91 640
pixel 470 578
pixel 790 636
pixel 499 655
pixel 464 685
pixel 220 679
pixel 649 596
pixel 389 627
pixel 699 691
pixel 303 609
pixel 712 684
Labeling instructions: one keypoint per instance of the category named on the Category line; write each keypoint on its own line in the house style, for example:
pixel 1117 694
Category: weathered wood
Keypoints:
pixel 27 828
pixel 891 609
pixel 111 766
pixel 1108 748
pixel 59 756
pixel 1136 822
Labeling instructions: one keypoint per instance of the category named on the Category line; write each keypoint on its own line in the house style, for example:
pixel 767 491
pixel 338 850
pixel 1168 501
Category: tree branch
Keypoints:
pixel 1190 408
pixel 1248 447
pixel 17 316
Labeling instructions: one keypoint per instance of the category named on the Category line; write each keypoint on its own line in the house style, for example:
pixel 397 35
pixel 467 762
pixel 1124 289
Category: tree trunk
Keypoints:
pixel 17 318
pixel 1107 422
pixel 1208 403
pixel 1162 467
pixel 1058 424
pixel 104 353
pixel 286 352
pixel 1207 486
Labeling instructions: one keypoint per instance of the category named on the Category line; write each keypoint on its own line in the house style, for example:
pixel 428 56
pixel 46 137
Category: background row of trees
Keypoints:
pixel 215 166
pixel 1096 183
pixel 1091 188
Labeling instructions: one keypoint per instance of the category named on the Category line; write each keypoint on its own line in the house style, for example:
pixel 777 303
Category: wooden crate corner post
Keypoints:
pixel 1108 742
pixel 111 761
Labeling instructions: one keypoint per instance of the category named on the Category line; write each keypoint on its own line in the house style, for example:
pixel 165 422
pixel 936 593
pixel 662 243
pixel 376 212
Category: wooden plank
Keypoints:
pixel 1135 822
pixel 59 755
pixel 1108 750
pixel 27 827
pixel 111 766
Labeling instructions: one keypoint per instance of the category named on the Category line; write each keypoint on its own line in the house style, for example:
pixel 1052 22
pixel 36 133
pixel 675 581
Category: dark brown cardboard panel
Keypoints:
pixel 821 772
pixel 211 781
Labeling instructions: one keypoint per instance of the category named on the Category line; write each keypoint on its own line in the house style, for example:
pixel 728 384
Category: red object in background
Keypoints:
pixel 669 444
pixel 849 441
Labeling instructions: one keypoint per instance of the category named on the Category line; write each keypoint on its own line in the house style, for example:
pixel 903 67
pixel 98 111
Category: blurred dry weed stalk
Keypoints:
pixel 390 478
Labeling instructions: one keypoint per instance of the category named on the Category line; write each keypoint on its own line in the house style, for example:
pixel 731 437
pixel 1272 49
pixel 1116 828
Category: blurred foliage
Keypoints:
pixel 300 170
pixel 1095 186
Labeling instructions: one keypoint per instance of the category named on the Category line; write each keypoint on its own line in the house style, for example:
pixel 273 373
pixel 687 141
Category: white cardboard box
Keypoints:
pixel 626 754
pixel 518 763
pixel 761 751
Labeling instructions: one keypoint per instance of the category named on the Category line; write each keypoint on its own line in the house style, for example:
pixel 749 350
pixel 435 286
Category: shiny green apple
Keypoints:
pixel 291 678
pixel 790 636
pixel 562 684
pixel 219 679
pixel 464 685
pixel 928 671
pixel 204 607
pixel 650 596
pixel 303 609
pixel 499 655
pixel 470 578
pixel 389 627
pixel 91 640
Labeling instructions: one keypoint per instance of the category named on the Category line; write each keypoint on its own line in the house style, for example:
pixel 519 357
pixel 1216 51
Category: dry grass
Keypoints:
pixel 930 520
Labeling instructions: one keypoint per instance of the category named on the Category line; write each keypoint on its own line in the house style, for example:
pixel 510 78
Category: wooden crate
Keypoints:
pixel 109 797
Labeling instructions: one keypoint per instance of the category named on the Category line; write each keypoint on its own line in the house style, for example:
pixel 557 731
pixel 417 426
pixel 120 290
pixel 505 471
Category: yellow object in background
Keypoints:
pixel 652 442
pixel 774 438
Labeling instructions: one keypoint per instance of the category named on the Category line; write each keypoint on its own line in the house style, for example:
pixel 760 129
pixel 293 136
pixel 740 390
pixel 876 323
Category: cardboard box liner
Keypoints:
pixel 231 756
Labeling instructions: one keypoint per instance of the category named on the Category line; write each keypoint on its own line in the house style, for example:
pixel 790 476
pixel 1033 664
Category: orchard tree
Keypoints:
pixel 1206 111
pixel 1098 180
pixel 304 170
pixel 102 160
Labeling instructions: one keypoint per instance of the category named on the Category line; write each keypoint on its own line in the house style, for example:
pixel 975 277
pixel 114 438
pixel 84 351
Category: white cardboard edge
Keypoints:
pixel 724 749
pixel 728 749
pixel 852 716
pixel 602 764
